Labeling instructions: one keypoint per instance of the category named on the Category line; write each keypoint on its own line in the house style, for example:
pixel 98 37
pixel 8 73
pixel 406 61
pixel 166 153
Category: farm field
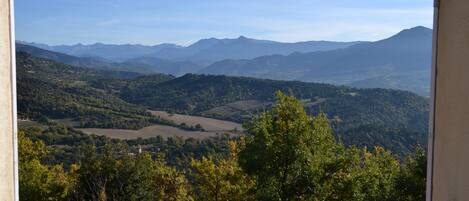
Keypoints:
pixel 209 124
pixel 147 132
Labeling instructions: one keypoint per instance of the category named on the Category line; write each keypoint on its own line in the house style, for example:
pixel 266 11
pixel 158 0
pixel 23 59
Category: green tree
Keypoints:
pixel 411 180
pixel 117 174
pixel 38 181
pixel 287 151
pixel 217 180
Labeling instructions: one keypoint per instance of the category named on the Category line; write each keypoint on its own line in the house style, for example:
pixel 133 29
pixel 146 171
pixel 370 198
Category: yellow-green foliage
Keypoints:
pixel 39 181
pixel 222 179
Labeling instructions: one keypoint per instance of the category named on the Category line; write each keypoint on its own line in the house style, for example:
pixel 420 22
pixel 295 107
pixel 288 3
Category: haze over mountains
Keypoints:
pixel 404 57
pixel 204 51
pixel 399 62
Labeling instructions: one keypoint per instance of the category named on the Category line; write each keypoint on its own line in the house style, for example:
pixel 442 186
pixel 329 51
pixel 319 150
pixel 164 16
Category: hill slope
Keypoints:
pixel 198 94
pixel 47 89
pixel 89 62
pixel 141 65
pixel 391 117
pixel 116 53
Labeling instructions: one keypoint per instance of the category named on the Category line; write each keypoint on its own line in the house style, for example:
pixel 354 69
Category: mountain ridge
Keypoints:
pixel 403 60
pixel 405 53
pixel 193 52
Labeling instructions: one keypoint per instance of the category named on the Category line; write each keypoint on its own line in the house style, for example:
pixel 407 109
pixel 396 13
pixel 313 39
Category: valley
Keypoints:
pixel 219 100
pixel 132 97
pixel 129 105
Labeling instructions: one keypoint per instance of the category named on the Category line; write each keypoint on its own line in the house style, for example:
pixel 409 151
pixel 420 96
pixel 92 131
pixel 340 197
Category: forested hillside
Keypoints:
pixel 47 89
pixel 198 94
pixel 398 118
pixel 113 99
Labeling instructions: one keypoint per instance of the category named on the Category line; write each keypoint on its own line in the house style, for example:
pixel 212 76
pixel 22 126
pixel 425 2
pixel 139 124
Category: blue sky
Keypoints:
pixel 184 22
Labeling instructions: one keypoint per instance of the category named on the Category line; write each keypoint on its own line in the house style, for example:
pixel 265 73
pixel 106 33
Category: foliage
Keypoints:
pixel 36 180
pixel 223 179
pixel 128 177
pixel 286 149
pixel 287 155
pixel 411 182
pixel 400 141
pixel 295 157
pixel 67 145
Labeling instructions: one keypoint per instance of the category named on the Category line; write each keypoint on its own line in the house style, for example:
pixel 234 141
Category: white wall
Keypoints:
pixel 7 168
pixel 450 175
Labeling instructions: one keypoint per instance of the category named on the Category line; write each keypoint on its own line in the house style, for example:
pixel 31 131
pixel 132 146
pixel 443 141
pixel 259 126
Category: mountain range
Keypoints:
pixel 402 58
pixel 204 51
pixel 401 61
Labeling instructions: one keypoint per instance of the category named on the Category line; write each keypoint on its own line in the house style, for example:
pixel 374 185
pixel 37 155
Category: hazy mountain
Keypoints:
pixel 406 54
pixel 89 62
pixel 107 51
pixel 144 65
pixel 155 65
pixel 399 62
pixel 210 50
pixel 204 51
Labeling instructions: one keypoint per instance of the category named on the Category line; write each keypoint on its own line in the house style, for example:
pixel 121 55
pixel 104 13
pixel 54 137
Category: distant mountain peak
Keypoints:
pixel 205 43
pixel 414 32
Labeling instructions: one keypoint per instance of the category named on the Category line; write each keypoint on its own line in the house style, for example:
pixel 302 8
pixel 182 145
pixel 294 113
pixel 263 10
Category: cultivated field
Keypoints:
pixel 147 132
pixel 211 127
pixel 209 124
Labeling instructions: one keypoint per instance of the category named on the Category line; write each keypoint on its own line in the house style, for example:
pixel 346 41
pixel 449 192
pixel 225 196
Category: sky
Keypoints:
pixel 183 22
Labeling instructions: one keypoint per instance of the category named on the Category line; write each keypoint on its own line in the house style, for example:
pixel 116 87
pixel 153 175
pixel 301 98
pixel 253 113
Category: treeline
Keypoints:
pixel 287 155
